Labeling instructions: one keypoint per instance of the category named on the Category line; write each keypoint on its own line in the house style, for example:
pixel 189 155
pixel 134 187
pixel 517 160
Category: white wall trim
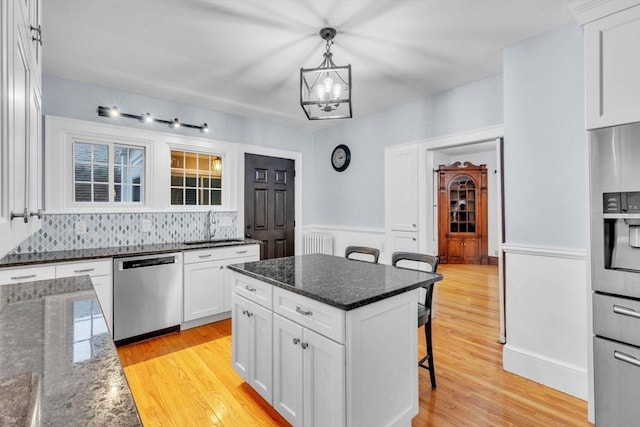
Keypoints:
pixel 568 378
pixel 365 230
pixel 540 251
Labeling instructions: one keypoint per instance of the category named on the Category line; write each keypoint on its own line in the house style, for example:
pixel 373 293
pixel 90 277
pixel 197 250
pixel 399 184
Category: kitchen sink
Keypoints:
pixel 212 242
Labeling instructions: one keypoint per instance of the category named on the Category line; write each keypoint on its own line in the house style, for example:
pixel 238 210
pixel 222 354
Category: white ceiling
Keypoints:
pixel 244 56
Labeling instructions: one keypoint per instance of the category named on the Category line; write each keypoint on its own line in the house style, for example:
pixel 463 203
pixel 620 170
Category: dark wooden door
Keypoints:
pixel 269 208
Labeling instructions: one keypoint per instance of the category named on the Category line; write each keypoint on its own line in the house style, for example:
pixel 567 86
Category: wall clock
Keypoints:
pixel 341 157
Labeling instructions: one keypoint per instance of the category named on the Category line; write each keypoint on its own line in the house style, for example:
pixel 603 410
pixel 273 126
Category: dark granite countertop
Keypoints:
pixel 336 281
pixel 58 357
pixel 17 260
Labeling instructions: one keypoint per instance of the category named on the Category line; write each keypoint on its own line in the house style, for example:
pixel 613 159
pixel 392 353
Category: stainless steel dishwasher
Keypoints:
pixel 147 296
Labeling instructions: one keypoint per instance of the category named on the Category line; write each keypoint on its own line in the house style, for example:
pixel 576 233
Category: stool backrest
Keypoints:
pixel 373 252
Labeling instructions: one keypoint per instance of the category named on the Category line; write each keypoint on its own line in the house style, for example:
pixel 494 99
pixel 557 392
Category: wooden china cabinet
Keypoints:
pixel 462 214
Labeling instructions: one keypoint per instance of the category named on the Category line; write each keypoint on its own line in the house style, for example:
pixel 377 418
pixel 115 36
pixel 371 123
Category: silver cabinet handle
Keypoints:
pixel 626 358
pixel 86 270
pixel 221 267
pixel 618 309
pixel 304 345
pixel 204 256
pixel 413 225
pixel 296 341
pixel 304 313
pixel 250 289
pixel 241 252
pixel 28 276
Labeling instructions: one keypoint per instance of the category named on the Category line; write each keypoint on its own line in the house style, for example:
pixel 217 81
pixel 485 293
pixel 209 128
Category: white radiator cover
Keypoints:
pixel 318 243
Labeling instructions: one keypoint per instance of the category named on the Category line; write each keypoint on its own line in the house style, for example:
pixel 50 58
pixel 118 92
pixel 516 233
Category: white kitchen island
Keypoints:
pixel 329 341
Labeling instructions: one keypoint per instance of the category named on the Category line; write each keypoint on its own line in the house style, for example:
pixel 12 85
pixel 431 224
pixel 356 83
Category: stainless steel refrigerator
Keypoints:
pixel 615 272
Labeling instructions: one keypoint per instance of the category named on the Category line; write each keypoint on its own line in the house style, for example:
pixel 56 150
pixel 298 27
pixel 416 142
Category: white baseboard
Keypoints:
pixel 552 373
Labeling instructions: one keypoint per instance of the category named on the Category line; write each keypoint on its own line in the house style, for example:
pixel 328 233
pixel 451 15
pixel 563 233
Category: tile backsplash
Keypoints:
pixel 58 232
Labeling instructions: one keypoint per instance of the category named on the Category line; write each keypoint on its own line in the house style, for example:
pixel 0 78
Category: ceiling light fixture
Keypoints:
pixel 148 118
pixel 325 91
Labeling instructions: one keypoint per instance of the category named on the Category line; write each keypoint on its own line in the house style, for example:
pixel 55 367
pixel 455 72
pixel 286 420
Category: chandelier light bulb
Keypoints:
pixel 320 92
pixel 328 84
pixel 337 91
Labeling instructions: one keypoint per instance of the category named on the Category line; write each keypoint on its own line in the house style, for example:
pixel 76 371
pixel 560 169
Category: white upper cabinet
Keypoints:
pixel 20 121
pixel 612 61
pixel 401 188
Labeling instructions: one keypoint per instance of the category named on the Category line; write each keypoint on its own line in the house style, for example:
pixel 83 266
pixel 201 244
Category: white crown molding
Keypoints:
pixel 586 11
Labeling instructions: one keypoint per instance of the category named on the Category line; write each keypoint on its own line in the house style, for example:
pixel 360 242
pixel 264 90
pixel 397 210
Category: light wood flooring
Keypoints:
pixel 185 379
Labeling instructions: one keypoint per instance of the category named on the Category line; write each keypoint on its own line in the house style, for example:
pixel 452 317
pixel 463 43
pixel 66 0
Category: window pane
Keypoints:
pixel 177 159
pixel 176 196
pixel 101 173
pixel 136 193
pixel 100 192
pixel 81 152
pixel 216 183
pixel 117 193
pixel 191 181
pixel 190 196
pixel 136 175
pixel 206 182
pixel 204 197
pixel 100 153
pixel 117 174
pixel 136 157
pixel 177 180
pixel 216 197
pixel 83 192
pixel 83 172
pixel 120 155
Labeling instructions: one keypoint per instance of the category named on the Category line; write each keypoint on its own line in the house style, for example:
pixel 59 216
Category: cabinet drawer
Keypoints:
pixel 203 255
pixel 27 274
pixel 242 251
pixel 324 319
pixel 252 289
pixel 616 377
pixel 91 268
pixel 617 318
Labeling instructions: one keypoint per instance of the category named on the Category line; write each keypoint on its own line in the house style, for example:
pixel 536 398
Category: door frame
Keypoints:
pixel 426 197
pixel 260 150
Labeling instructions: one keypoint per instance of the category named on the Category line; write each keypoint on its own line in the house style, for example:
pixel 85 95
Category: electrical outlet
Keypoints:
pixel 225 222
pixel 81 227
pixel 146 225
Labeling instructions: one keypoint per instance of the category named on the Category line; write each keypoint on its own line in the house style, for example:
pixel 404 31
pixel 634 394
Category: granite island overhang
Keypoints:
pixel 329 341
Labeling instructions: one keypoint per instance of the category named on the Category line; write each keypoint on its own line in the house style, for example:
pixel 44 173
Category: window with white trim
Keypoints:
pixel 196 178
pixel 108 173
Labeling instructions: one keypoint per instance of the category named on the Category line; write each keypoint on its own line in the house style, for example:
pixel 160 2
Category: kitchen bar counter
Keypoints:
pixel 57 357
pixel 336 281
pixel 17 260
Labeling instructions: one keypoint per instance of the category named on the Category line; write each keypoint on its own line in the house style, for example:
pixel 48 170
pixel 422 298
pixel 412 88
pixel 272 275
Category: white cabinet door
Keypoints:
pixel 309 376
pixel 261 351
pixel 203 289
pixel 403 241
pixel 287 369
pixel 252 345
pixel 241 334
pixel 323 381
pixel 401 188
pixel 612 61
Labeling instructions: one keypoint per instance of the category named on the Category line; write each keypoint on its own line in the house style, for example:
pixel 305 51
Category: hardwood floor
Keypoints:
pixel 185 379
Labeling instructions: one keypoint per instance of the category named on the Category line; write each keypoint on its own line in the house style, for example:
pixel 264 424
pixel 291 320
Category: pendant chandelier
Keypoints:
pixel 325 91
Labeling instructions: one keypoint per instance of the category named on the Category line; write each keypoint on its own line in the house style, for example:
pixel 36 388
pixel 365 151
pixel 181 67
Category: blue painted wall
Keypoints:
pixel 545 141
pixel 355 197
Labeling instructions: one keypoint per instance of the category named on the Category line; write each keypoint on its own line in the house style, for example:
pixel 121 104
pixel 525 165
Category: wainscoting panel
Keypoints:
pixel 546 317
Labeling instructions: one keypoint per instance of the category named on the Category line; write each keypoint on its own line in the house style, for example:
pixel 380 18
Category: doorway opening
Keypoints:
pixel 478 148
